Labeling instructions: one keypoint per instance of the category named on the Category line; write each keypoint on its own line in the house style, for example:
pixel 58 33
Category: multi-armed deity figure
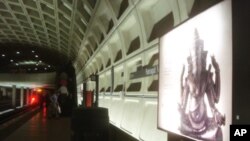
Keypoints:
pixel 197 85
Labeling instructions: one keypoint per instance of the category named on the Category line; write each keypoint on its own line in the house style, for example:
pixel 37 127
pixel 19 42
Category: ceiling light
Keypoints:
pixel 36 56
pixel 35 68
pixel 17 52
pixel 27 63
pixel 3 55
pixel 45 68
pixel 17 64
pixel 49 66
pixel 40 61
pixel 36 64
pixel 11 60
pixel 33 51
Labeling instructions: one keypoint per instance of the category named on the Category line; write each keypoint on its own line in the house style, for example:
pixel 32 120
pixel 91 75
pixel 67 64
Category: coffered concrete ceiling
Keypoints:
pixel 58 25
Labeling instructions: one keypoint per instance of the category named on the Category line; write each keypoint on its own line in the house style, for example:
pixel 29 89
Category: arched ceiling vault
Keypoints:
pixel 46 26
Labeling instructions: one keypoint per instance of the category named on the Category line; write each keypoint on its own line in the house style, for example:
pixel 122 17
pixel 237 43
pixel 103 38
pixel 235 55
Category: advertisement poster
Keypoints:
pixel 195 75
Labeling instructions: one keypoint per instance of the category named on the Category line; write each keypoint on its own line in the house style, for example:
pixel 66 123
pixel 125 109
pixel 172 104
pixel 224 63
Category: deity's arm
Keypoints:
pixel 184 95
pixel 216 84
pixel 181 80
pixel 210 91
pixel 184 90
pixel 211 95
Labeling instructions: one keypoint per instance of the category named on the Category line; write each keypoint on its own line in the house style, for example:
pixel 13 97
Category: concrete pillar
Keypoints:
pixel 4 91
pixel 1 89
pixel 21 96
pixel 27 96
pixel 14 96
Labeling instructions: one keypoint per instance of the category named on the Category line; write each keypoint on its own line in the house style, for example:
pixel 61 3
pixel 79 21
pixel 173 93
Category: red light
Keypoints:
pixel 33 100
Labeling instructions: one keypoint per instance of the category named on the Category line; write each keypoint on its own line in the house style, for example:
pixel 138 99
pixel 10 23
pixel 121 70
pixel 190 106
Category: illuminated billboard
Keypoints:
pixel 195 76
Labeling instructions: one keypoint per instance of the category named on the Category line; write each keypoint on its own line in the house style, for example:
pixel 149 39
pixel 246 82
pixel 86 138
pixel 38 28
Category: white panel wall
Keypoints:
pixel 134 112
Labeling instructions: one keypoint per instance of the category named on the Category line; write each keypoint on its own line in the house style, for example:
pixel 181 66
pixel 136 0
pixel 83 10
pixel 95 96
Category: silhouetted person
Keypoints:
pixel 54 108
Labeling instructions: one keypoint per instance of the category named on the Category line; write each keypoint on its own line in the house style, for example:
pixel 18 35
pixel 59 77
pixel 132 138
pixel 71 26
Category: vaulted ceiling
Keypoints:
pixel 50 29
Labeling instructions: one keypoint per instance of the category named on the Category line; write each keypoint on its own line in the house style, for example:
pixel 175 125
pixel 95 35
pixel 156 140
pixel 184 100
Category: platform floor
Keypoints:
pixel 40 128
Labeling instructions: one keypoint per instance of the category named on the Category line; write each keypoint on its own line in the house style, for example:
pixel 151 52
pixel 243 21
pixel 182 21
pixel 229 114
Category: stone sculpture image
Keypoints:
pixel 199 83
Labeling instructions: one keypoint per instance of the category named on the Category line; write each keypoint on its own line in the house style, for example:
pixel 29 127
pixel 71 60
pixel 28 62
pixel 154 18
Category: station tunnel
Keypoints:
pixel 103 63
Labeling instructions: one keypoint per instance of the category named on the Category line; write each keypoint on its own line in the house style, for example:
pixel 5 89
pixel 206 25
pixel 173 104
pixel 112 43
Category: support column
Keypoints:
pixel 14 96
pixel 21 96
pixel 4 91
pixel 27 96
pixel 97 90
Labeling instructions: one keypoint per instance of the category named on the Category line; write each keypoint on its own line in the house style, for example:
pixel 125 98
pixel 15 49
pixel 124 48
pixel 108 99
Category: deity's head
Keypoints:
pixel 197 58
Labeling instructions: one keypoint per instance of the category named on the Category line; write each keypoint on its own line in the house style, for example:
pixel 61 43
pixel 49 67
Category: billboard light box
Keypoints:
pixel 195 75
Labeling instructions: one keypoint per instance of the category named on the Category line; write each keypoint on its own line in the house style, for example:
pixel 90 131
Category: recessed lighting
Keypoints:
pixel 35 68
pixel 40 61
pixel 49 66
pixel 33 51
pixel 36 56
pixel 11 60
pixel 45 68
pixel 3 55
pixel 36 64
pixel 17 52
pixel 17 64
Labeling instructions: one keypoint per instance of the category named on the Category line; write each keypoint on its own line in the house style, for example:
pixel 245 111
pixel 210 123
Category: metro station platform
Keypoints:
pixel 41 128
